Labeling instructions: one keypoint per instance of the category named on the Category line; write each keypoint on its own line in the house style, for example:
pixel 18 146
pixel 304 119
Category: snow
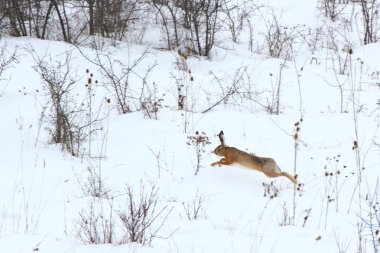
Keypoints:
pixel 42 187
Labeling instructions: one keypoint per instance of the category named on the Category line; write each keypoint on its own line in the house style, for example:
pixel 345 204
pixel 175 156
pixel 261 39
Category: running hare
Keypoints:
pixel 233 155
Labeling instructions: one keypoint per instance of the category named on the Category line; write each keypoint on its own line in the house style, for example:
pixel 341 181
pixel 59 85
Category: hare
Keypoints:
pixel 264 164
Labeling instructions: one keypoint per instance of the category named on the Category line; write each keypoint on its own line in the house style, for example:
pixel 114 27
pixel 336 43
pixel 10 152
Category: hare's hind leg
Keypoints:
pixel 271 169
pixel 288 176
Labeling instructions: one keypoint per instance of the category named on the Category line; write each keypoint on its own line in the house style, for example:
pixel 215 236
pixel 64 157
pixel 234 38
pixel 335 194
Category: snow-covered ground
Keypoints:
pixel 46 193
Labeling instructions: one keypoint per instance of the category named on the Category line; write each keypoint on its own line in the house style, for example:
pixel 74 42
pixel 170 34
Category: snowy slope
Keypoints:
pixel 44 190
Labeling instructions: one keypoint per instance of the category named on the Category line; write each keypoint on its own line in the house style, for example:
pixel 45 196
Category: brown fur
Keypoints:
pixel 263 164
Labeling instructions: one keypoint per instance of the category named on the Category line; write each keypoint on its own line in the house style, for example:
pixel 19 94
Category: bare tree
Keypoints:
pixel 35 17
pixel 112 17
pixel 332 8
pixel 201 21
pixel 41 18
pixel 170 17
pixel 197 18
pixel 16 16
pixel 370 12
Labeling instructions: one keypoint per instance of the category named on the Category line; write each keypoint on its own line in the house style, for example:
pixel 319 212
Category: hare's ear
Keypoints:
pixel 221 138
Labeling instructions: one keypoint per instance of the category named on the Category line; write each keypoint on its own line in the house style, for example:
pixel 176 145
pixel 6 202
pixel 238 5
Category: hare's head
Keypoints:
pixel 220 150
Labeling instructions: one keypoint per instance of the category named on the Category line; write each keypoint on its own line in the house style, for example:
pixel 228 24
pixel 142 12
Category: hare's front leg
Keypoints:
pixel 219 163
pixel 222 161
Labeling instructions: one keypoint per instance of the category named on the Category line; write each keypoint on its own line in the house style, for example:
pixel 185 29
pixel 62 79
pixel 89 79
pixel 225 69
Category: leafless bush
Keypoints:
pixel 270 190
pixel 186 98
pixel 279 39
pixel 286 219
pixel 335 175
pixel 313 38
pixel 332 8
pixel 371 217
pixel 93 184
pixel 342 245
pixel 374 76
pixel 59 79
pixel 361 238
pixel 183 79
pixel 162 163
pixel 120 76
pixel 199 141
pixel 96 223
pixel 69 122
pixel 227 93
pixel 340 85
pixel 142 217
pixel 273 105
pixel 194 209
pixel 150 102
pixel 140 220
pixel 6 60
pixel 236 15
pixel 340 52
pixel 340 49
pixel 239 90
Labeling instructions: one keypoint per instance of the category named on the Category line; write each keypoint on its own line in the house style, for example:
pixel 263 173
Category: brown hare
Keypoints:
pixel 233 155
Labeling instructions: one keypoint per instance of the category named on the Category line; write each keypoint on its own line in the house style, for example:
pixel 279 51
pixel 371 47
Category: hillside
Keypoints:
pixel 107 145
